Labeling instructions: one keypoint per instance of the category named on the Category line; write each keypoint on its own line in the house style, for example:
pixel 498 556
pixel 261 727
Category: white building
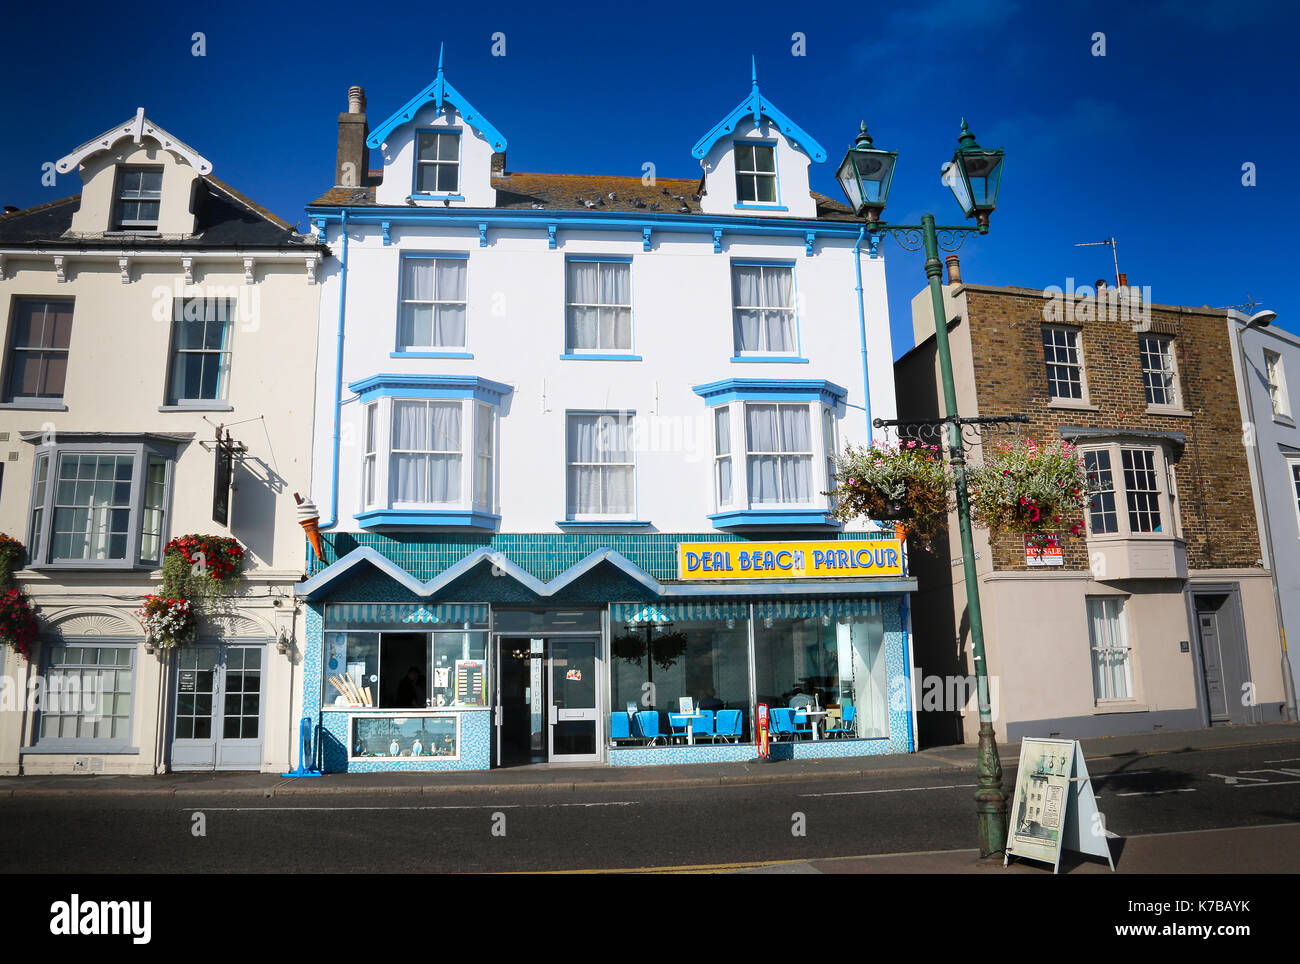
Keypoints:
pixel 139 314
pixel 537 395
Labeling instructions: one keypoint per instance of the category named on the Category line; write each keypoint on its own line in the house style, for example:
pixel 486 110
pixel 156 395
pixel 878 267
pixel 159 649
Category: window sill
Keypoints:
pixel 198 407
pixel 84 749
pixel 1119 706
pixel 1072 405
pixel 789 518
pixel 760 207
pixel 569 356
pixel 1286 420
pixel 429 354
pixel 764 359
pixel 603 524
pixel 428 518
pixel 92 565
pixel 36 405
pixel 436 197
pixel 1168 410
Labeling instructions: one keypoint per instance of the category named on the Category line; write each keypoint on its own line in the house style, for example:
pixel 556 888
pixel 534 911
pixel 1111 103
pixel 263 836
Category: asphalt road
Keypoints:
pixel 99 832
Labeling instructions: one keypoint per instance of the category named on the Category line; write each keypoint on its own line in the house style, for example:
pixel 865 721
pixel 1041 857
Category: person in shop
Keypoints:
pixel 410 691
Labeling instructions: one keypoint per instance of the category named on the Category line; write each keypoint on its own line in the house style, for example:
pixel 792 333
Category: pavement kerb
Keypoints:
pixel 312 789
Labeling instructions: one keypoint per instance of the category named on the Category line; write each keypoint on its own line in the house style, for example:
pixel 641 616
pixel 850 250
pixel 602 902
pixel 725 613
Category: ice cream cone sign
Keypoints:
pixel 309 519
pixel 900 531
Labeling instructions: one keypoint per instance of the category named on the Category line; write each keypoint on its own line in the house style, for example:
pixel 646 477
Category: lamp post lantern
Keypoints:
pixel 974 176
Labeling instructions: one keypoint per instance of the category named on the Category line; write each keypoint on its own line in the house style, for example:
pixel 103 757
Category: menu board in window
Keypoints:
pixel 471 683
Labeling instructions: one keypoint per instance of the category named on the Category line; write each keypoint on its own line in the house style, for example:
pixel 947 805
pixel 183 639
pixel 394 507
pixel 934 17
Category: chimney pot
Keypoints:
pixel 1123 279
pixel 954 269
pixel 356 100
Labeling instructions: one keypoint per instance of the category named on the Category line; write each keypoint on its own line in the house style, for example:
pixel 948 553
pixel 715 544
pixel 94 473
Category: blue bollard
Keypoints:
pixel 304 752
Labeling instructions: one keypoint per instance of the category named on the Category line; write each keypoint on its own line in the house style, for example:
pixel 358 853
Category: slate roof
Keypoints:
pixel 583 192
pixel 225 219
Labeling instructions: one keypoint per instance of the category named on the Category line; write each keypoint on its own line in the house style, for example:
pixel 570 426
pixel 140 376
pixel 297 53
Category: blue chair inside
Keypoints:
pixel 647 725
pixel 679 723
pixel 704 725
pixel 620 727
pixel 728 724
pixel 846 728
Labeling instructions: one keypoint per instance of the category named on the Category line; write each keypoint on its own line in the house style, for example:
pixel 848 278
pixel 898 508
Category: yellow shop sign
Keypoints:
pixel 789 560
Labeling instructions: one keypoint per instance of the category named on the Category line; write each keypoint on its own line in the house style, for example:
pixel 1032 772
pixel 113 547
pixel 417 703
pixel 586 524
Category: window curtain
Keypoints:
pixel 597 487
pixel 431 472
pixel 778 292
pixel 755 288
pixel 449 319
pixel 608 285
pixel 425 324
pixel 745 291
pixel 772 429
pixel 1109 655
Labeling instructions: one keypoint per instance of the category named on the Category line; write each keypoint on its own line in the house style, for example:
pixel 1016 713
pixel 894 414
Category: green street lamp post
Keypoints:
pixel 973 175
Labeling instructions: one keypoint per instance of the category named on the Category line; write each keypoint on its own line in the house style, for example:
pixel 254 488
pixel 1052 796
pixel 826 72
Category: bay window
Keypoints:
pixel 773 450
pixel 429 450
pixel 99 503
pixel 1129 491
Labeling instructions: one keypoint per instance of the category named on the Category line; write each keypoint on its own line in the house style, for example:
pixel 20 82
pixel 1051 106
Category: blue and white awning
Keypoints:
pixel 348 615
pixel 662 612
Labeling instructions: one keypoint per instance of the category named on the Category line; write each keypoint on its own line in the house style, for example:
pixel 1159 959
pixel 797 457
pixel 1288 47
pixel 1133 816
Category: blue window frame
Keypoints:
pixel 437 162
pixel 765 321
pixel 432 313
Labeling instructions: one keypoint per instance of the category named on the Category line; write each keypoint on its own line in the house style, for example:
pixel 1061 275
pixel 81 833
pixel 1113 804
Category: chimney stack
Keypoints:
pixel 353 162
pixel 954 269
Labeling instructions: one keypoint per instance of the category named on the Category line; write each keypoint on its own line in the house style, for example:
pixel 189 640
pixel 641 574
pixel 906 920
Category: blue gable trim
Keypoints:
pixel 754 108
pixel 771 390
pixel 430 386
pixel 439 93
pixel 319 586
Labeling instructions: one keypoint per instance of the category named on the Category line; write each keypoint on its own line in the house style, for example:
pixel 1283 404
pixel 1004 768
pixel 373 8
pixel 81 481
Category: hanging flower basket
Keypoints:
pixel 12 556
pixel 202 567
pixel 168 622
pixel 665 648
pixel 1031 488
pixel 18 626
pixel 908 482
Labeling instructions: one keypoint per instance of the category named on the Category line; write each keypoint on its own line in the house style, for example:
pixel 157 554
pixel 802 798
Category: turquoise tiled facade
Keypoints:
pixel 546 556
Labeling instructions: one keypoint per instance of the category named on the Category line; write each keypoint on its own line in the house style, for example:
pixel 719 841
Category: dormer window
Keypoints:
pixel 139 192
pixel 437 162
pixel 756 173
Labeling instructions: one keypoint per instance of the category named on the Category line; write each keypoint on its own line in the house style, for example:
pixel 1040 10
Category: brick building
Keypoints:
pixel 1161 616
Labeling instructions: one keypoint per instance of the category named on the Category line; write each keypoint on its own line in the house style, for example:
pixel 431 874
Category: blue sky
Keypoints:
pixel 1146 143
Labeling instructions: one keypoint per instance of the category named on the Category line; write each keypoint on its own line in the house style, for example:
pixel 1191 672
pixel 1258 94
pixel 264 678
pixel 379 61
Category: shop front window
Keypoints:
pixel 401 737
pixel 656 664
pixel 409 670
pixel 830 664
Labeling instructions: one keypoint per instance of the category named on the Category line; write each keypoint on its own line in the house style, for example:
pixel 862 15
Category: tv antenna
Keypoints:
pixel 1248 306
pixel 1114 253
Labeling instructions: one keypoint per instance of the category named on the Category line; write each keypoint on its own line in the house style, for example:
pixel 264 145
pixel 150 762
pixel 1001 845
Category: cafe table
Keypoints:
pixel 810 715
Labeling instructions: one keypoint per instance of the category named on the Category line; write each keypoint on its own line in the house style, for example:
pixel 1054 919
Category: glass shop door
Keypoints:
pixel 573 724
